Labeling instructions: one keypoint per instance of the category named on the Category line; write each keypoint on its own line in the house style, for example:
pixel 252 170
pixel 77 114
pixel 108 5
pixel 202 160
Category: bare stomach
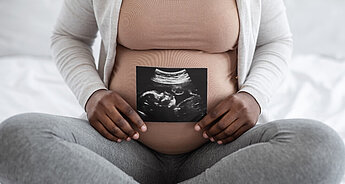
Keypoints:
pixel 171 138
pixel 172 90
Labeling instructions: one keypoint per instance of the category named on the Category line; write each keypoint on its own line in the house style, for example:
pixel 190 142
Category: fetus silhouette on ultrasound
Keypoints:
pixel 171 94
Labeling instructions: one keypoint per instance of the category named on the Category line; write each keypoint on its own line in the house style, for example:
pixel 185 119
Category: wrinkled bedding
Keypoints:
pixel 314 88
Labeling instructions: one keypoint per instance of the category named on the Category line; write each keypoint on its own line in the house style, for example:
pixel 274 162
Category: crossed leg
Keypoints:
pixel 43 148
pixel 281 151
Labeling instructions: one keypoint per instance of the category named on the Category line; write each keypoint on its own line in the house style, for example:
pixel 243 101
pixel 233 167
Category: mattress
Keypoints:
pixel 314 88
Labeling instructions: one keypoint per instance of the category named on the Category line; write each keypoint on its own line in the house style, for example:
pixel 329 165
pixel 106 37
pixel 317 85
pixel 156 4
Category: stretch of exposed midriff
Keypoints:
pixel 174 137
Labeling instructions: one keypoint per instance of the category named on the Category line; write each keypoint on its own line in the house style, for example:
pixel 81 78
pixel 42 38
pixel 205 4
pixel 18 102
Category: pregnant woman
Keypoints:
pixel 178 96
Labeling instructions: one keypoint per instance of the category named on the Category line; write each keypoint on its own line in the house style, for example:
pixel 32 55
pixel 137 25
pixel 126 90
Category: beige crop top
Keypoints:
pixel 176 59
pixel 210 26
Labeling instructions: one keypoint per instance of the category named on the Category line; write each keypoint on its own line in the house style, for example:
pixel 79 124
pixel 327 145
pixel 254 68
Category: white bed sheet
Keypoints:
pixel 33 84
pixel 314 88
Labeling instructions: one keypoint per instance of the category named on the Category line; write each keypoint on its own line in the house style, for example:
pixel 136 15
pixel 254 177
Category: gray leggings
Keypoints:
pixel 41 148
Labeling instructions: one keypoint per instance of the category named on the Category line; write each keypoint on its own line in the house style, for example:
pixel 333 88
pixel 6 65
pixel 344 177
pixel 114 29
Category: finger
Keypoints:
pixel 230 130
pixel 112 127
pixel 234 136
pixel 222 124
pixel 129 112
pixel 104 132
pixel 123 124
pixel 214 114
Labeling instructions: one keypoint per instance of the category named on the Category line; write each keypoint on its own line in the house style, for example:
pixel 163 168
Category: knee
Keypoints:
pixel 14 124
pixel 321 144
pixel 314 132
pixel 329 141
pixel 19 127
pixel 309 130
pixel 19 122
pixel 318 133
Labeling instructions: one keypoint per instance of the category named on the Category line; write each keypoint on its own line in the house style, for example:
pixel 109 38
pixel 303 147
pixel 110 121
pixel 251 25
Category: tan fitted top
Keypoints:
pixel 181 38
pixel 210 26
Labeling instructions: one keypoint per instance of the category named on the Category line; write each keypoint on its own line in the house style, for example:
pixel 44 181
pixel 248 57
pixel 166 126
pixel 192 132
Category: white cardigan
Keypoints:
pixel 264 47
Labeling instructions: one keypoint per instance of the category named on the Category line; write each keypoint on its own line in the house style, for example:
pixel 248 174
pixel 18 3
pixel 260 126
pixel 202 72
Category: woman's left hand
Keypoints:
pixel 239 112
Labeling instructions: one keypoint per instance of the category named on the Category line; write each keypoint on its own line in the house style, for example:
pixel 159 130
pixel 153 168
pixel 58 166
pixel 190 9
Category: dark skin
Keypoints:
pixel 236 114
pixel 109 113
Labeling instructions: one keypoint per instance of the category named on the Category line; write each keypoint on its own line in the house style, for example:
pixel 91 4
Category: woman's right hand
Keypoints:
pixel 104 110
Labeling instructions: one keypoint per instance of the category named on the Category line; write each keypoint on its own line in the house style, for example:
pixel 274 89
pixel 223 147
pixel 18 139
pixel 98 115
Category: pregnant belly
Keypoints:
pixel 172 90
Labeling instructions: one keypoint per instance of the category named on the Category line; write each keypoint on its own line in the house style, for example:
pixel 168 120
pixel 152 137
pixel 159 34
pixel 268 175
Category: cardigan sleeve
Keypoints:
pixel 71 47
pixel 272 54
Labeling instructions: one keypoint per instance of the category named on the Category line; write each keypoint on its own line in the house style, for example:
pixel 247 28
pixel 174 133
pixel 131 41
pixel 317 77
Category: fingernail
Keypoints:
pixel 205 135
pixel 119 140
pixel 219 142
pixel 197 128
pixel 212 139
pixel 143 128
pixel 136 136
pixel 128 139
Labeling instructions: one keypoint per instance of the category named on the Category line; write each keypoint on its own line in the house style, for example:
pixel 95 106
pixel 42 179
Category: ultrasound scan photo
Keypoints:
pixel 171 94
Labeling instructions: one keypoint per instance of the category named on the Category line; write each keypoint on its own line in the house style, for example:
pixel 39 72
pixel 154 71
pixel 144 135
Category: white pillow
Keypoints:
pixel 318 26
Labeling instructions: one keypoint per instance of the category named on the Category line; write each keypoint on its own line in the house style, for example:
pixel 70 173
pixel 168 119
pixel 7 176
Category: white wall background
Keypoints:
pixel 318 26
pixel 26 27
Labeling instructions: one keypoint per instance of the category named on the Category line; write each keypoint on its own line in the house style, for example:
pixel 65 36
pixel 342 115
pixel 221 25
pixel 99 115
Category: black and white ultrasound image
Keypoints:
pixel 171 94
